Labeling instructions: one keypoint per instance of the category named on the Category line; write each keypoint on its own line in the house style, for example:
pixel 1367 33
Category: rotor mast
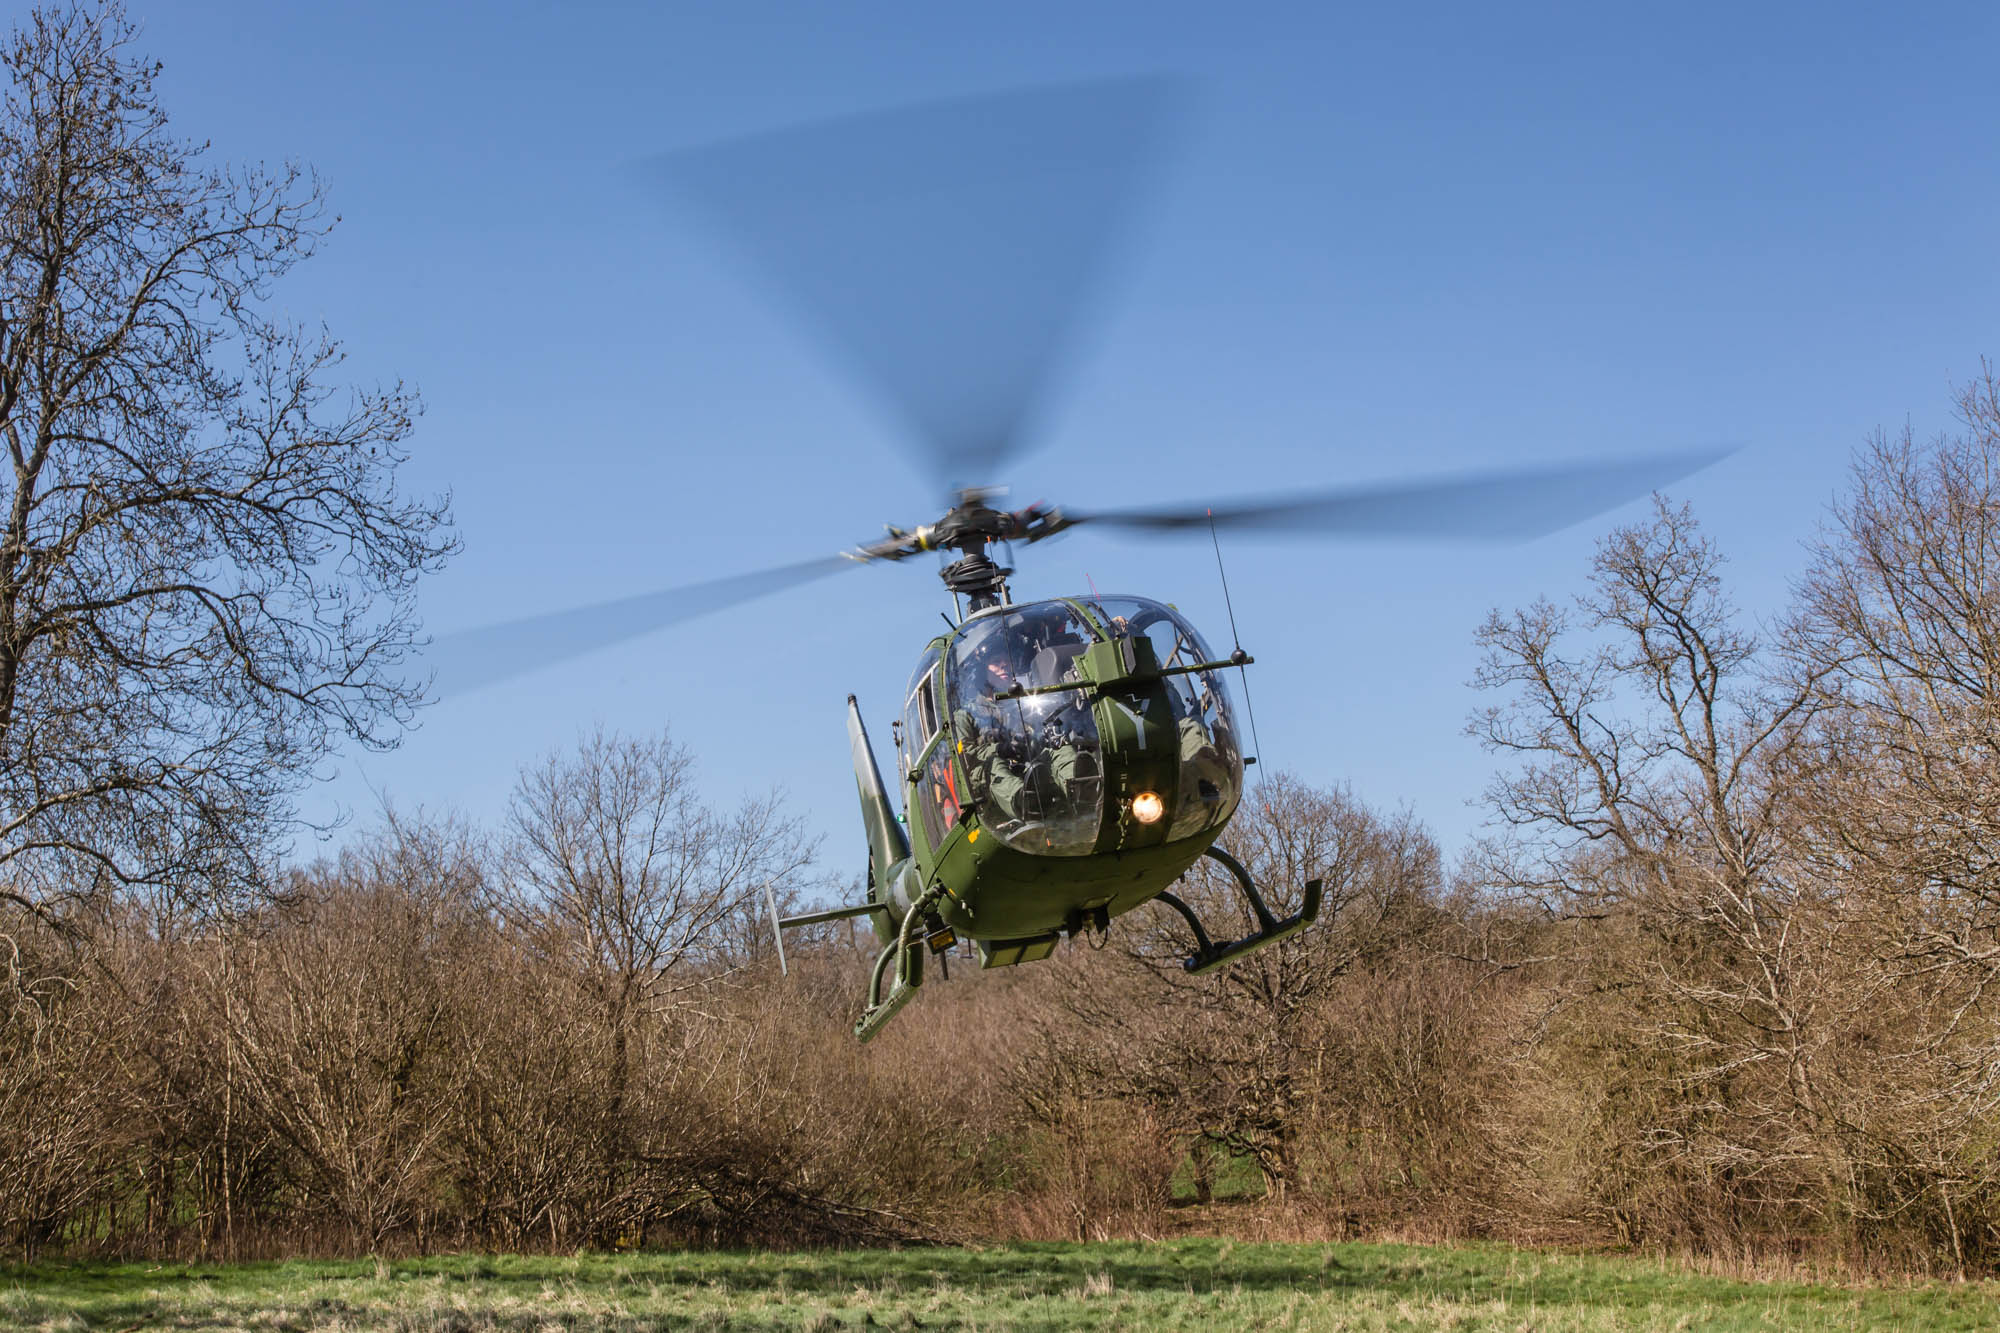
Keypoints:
pixel 969 529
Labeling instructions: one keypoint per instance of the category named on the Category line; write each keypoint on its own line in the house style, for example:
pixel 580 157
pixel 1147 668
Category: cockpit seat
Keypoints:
pixel 1057 661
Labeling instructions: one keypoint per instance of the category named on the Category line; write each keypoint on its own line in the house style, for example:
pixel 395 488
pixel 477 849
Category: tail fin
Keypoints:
pixel 888 846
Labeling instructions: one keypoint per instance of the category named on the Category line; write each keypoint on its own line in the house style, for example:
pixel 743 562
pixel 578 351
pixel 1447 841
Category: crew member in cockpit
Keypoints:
pixel 978 725
pixel 1021 753
pixel 1204 772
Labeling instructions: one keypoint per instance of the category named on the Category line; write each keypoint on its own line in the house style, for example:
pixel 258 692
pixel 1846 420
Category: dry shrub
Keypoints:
pixel 344 1016
pixel 522 1150
pixel 61 1096
pixel 1404 1061
pixel 1092 1169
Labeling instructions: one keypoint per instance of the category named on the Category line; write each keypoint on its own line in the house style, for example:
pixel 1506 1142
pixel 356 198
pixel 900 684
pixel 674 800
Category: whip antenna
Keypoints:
pixel 1236 640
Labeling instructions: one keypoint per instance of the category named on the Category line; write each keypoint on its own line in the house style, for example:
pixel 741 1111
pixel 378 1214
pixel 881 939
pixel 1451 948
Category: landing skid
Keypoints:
pixel 1208 955
pixel 906 951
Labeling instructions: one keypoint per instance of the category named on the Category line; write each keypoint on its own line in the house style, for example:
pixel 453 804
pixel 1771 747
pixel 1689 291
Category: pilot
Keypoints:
pixel 1205 774
pixel 1022 755
pixel 1067 762
pixel 1051 625
pixel 995 784
pixel 1066 751
pixel 988 672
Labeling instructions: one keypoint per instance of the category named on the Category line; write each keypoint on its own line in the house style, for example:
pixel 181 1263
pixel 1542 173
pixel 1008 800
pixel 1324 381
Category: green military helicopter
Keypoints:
pixel 1062 761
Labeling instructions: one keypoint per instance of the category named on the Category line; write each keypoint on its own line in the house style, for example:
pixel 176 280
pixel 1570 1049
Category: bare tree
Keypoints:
pixel 59 1061
pixel 342 1012
pixel 620 875
pixel 206 569
pixel 1653 804
pixel 1900 619
pixel 616 855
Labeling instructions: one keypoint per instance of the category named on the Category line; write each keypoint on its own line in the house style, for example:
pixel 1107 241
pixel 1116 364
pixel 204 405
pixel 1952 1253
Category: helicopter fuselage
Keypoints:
pixel 1061 762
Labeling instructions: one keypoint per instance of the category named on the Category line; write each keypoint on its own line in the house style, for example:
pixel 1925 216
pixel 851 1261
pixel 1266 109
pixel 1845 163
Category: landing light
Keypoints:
pixel 1147 807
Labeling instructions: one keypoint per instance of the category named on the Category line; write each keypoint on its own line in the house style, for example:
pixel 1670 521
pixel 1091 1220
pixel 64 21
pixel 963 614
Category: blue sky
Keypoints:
pixel 1398 241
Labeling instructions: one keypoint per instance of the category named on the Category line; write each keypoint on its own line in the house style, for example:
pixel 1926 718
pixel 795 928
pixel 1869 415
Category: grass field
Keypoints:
pixel 1185 1284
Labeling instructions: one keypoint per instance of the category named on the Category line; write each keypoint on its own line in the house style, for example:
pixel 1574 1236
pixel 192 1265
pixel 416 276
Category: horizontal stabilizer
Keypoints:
pixel 830 914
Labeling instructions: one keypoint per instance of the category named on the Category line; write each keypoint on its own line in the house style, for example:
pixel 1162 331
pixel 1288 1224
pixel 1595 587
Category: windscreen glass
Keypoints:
pixel 1028 747
pixel 1211 757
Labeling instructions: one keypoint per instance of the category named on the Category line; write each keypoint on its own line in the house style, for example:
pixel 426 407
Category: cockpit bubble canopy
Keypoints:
pixel 1031 750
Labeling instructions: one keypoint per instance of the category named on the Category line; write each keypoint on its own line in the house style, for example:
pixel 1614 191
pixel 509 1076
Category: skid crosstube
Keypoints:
pixel 1208 955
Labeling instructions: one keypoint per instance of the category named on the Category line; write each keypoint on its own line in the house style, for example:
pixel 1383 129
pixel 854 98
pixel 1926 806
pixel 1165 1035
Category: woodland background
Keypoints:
pixel 1725 984
pixel 1722 982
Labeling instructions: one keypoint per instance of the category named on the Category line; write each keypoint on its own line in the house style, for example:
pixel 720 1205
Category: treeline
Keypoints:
pixel 1727 981
pixel 574 1033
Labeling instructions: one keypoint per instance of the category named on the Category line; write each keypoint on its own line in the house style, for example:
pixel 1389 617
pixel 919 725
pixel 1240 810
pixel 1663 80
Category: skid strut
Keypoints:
pixel 906 951
pixel 1207 955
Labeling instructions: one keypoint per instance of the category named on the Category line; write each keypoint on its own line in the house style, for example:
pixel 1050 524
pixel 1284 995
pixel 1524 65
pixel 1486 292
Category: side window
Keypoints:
pixel 934 796
pixel 919 716
pixel 927 706
pixel 919 720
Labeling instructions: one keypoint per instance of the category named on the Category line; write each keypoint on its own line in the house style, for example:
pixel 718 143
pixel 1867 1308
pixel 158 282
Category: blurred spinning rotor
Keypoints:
pixel 946 256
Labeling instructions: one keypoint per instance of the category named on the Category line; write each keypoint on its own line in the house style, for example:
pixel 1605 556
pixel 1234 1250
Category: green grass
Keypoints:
pixel 1184 1284
pixel 1234 1177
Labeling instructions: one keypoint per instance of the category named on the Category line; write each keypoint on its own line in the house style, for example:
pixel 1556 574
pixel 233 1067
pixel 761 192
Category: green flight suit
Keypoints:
pixel 1206 782
pixel 993 785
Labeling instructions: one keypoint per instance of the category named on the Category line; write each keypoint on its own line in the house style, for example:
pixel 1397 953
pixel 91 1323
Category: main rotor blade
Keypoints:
pixel 469 659
pixel 943 252
pixel 1513 505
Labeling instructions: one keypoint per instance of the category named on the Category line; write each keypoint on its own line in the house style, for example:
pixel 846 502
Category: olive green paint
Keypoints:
pixel 1009 901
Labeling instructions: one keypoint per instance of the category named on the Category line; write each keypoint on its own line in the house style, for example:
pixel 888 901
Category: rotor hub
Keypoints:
pixel 969 528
